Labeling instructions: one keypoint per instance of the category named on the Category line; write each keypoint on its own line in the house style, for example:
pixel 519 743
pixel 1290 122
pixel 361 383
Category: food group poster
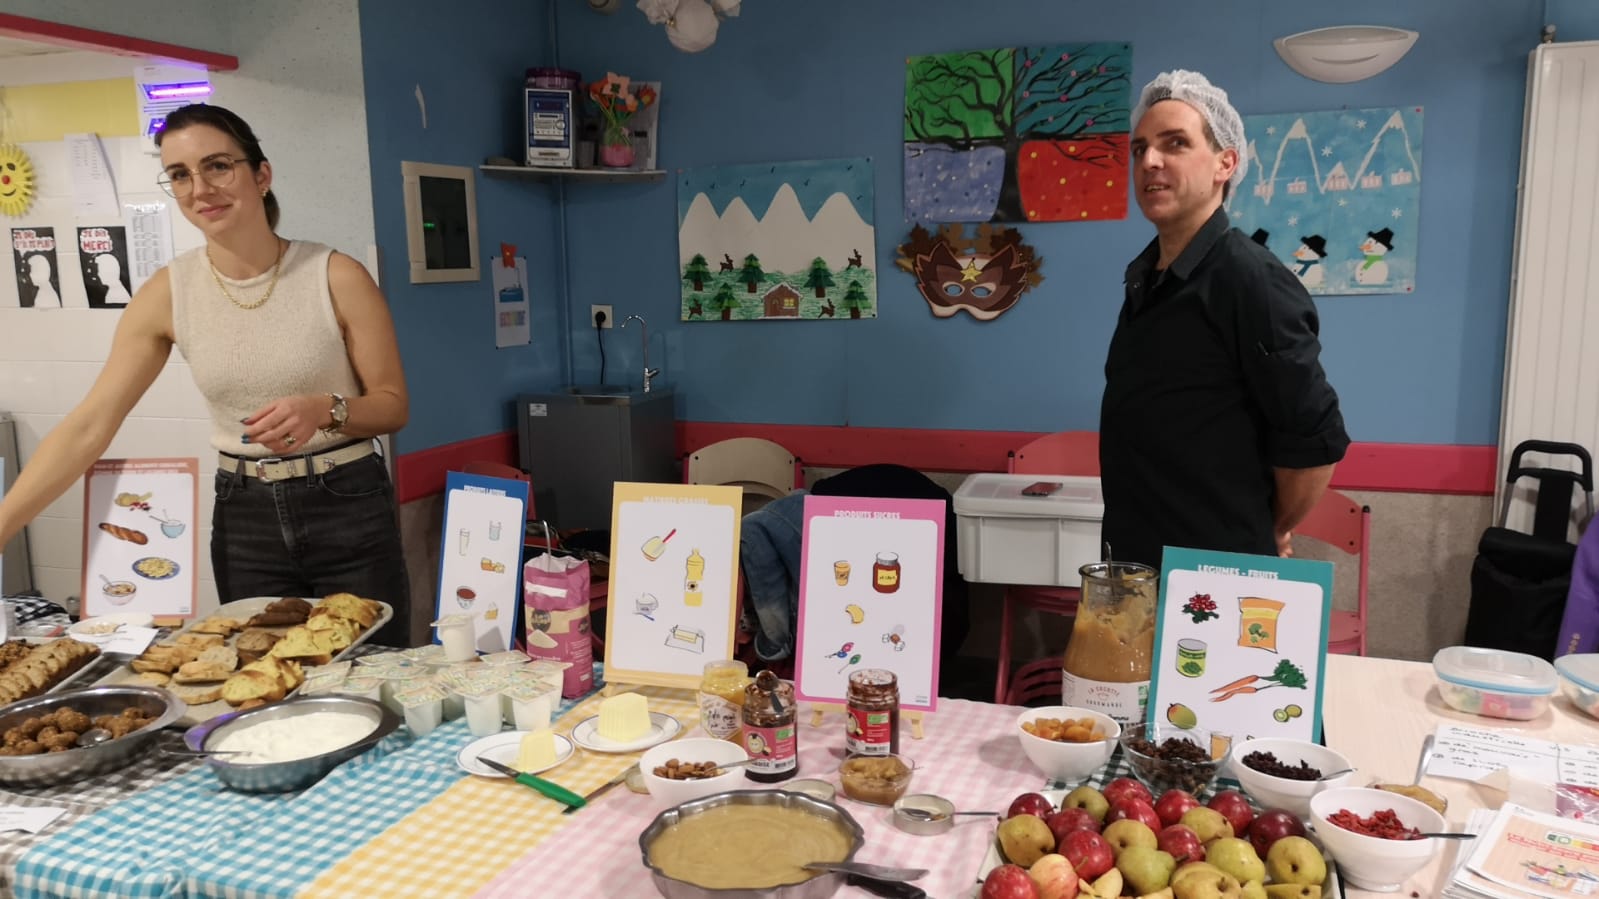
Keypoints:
pixel 480 561
pixel 871 593
pixel 674 581
pixel 139 540
pixel 1240 644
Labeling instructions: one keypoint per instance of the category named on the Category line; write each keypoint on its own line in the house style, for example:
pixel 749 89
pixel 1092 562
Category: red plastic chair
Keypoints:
pixel 1071 453
pixel 1344 524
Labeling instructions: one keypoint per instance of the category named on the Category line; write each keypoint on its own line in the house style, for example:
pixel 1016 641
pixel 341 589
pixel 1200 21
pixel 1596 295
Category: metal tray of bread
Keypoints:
pixel 203 698
pixel 24 675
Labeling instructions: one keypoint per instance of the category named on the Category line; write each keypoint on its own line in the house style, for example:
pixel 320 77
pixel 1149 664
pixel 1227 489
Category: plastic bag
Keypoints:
pixel 555 596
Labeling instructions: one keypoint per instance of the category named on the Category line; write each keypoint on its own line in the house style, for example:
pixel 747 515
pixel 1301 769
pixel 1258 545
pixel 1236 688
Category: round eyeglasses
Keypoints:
pixel 217 172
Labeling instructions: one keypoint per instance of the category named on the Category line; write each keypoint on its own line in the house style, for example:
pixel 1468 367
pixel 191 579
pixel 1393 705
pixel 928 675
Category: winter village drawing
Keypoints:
pixel 1336 196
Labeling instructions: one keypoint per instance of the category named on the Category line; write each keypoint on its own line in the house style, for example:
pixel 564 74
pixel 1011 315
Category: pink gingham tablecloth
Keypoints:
pixel 970 756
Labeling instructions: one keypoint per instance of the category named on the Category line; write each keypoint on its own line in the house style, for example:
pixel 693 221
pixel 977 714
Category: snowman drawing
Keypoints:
pixel 1307 261
pixel 1376 245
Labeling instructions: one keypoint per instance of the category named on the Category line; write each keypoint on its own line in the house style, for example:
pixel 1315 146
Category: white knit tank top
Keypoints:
pixel 243 359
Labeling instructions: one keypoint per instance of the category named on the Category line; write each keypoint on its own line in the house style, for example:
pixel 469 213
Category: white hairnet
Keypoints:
pixel 1209 100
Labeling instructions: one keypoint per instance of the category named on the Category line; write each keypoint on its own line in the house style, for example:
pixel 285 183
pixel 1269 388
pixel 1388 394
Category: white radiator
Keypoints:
pixel 1551 389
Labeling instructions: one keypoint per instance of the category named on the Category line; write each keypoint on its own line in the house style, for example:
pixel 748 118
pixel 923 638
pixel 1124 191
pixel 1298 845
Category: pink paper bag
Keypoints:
pixel 555 596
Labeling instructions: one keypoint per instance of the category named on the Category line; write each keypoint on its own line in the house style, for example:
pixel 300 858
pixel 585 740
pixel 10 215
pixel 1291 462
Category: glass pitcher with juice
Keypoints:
pixel 1112 645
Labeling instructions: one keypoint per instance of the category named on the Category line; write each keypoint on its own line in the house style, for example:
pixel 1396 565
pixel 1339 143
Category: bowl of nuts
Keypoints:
pixel 1286 773
pixel 875 779
pixel 1167 757
pixel 677 771
pixel 1065 742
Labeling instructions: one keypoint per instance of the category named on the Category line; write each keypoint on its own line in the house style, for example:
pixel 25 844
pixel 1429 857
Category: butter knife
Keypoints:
pixel 594 793
pixel 552 790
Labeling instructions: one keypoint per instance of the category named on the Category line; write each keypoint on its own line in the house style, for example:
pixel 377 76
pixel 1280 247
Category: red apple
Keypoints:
pixel 1272 825
pixel 1067 820
pixel 1030 804
pixel 1009 882
pixel 1234 806
pixel 1054 877
pixel 1126 788
pixel 1089 853
pixel 1171 805
pixel 1181 842
pixel 1136 809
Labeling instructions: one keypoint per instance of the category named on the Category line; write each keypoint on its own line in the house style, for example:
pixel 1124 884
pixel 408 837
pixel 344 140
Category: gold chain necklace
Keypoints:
pixel 276 268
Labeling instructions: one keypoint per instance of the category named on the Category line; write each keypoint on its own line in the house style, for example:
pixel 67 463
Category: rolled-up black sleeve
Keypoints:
pixel 1282 371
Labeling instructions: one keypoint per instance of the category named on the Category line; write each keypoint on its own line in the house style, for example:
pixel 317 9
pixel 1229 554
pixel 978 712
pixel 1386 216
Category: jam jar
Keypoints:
pixel 871 721
pixel 721 698
pixel 885 573
pixel 771 732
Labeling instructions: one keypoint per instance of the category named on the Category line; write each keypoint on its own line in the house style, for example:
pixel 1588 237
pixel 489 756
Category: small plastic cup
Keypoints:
pixel 455 632
pixel 432 654
pixel 423 708
pixel 400 680
pixel 509 658
pixel 532 704
pixel 365 687
pixel 483 717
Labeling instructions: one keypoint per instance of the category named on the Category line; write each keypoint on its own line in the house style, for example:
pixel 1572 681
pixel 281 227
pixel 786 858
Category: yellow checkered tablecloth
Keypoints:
pixel 461 840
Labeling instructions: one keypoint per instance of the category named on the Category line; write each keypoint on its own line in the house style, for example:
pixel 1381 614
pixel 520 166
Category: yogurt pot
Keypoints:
pixel 1494 682
pixel 532 703
pixel 364 687
pixel 431 654
pixel 482 702
pixel 508 658
pixel 400 680
pixel 458 637
pixel 423 708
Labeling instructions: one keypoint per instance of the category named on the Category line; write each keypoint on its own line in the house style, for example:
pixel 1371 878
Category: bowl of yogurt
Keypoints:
pixel 293 744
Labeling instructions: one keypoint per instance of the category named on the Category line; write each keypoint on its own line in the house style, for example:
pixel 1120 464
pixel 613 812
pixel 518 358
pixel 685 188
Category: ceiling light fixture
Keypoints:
pixel 1345 53
pixel 691 25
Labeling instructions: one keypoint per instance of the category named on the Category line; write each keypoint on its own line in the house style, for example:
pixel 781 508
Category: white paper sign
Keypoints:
pixel 139 540
pixel 480 562
pixel 94 192
pixel 29 818
pixel 149 230
pixel 511 326
pixel 124 640
pixel 1473 753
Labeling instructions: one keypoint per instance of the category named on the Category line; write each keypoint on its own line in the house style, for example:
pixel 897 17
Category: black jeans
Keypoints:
pixel 313 536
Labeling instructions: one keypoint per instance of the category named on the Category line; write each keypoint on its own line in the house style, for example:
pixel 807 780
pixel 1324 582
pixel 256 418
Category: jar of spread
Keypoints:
pixel 770 733
pixel 871 720
pixel 721 698
pixel 1112 645
pixel 885 573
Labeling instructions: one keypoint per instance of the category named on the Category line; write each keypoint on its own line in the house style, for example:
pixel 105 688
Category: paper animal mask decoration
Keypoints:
pixel 983 276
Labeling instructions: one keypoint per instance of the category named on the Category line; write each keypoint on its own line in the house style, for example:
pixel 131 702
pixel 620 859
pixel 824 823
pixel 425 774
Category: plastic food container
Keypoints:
pixel 1494 682
pixel 1579 680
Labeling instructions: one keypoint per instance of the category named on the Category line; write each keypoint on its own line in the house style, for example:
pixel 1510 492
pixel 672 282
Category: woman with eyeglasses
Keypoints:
pixel 293 348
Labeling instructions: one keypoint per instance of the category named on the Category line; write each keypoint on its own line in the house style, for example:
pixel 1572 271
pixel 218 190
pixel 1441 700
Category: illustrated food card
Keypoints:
pixel 139 540
pixel 1240 644
pixel 480 562
pixel 674 582
pixel 871 594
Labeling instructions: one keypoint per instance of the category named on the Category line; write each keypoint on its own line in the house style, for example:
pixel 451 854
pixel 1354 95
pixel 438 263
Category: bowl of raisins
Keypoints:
pixel 1167 757
pixel 1281 773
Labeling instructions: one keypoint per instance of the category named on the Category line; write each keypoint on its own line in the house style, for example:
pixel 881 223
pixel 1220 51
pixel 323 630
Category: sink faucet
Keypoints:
pixel 645 332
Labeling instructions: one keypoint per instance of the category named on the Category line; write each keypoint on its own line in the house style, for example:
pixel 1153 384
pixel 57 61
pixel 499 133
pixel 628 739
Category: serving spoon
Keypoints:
pixel 922 814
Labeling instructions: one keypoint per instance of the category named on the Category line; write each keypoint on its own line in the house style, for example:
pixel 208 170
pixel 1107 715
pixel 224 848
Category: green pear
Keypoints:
pixel 1293 891
pixel 1254 890
pixel 1296 860
pixel 1089 800
pixel 1126 833
pixel 1145 868
pixel 1237 858
pixel 1025 839
pixel 1210 884
pixel 1187 869
pixel 1208 823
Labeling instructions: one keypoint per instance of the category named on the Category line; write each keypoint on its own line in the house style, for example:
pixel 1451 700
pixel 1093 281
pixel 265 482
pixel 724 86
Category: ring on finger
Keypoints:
pixel 290 440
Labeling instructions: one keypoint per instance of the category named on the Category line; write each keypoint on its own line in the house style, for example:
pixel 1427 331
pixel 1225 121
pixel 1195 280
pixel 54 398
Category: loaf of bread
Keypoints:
pixel 285 612
pixel 122 533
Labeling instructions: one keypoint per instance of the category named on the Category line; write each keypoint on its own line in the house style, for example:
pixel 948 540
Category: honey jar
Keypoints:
pixel 885 573
pixel 721 698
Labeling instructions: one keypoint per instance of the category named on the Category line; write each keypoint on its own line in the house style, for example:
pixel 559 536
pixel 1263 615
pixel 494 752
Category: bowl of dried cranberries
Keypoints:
pixel 1282 773
pixel 1375 835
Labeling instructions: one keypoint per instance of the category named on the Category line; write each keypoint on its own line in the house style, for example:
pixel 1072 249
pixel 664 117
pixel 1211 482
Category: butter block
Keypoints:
pixel 536 752
pixel 624 718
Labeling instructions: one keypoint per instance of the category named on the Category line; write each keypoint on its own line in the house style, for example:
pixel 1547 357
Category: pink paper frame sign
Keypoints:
pixel 871 596
pixel 140 527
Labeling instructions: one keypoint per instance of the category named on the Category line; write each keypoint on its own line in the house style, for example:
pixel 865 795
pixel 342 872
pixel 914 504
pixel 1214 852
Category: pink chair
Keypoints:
pixel 1072 453
pixel 1344 524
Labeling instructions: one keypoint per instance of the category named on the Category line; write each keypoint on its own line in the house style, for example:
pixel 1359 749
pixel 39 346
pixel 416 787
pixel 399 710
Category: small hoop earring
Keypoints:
pixel 265 191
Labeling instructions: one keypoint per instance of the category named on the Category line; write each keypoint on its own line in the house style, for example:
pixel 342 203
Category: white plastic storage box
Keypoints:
pixel 1006 537
pixel 1494 682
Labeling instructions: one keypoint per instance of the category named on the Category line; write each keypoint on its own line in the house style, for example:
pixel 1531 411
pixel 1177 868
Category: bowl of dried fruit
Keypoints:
pixel 680 770
pixel 1167 757
pixel 1286 773
pixel 1375 835
pixel 1065 742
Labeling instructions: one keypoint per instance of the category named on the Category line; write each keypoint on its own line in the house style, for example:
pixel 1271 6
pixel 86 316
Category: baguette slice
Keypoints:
pixel 148 679
pixel 197 695
pixel 247 685
pixel 199 672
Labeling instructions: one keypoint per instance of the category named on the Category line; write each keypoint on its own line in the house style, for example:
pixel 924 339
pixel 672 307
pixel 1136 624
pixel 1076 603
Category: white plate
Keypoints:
pixel 502 748
pixel 106 625
pixel 663 727
pixel 1330 889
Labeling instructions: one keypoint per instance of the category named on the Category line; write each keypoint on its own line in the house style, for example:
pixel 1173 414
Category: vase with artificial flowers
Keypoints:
pixel 618 102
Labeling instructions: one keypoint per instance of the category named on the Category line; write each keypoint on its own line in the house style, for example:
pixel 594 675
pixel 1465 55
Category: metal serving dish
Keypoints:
pixel 818 887
pixel 87 761
pixel 282 777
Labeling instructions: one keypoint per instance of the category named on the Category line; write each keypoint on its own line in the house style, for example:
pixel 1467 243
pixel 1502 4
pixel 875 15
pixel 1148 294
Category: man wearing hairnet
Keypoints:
pixel 1218 429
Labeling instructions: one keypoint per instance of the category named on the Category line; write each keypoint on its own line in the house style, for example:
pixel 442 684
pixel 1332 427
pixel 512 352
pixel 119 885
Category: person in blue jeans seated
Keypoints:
pixel 292 346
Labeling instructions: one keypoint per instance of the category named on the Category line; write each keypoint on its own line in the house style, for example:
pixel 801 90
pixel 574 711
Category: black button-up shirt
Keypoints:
pixel 1212 380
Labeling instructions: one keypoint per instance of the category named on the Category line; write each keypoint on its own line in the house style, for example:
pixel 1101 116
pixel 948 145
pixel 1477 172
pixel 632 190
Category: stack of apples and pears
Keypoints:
pixel 1101 844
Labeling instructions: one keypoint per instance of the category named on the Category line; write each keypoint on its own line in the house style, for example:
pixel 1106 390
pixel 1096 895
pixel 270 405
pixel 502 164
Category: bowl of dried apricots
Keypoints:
pixel 1065 742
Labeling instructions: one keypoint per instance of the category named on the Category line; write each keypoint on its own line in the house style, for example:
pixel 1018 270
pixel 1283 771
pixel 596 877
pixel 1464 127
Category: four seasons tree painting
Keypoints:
pixel 1029 134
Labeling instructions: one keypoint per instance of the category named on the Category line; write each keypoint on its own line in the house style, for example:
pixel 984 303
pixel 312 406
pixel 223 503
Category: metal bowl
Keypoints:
pixel 818 887
pixel 85 762
pixel 282 777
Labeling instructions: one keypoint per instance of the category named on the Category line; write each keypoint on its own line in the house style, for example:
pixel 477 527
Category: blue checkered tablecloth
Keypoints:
pixel 194 838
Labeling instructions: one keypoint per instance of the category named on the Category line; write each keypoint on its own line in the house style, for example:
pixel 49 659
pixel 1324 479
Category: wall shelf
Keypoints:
pixel 542 173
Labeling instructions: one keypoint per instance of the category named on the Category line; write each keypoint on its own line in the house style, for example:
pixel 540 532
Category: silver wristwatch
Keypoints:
pixel 340 414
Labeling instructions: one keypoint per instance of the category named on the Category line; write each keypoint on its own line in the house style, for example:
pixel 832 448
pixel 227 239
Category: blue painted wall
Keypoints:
pixel 1574 20
pixel 824 78
pixel 469 65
